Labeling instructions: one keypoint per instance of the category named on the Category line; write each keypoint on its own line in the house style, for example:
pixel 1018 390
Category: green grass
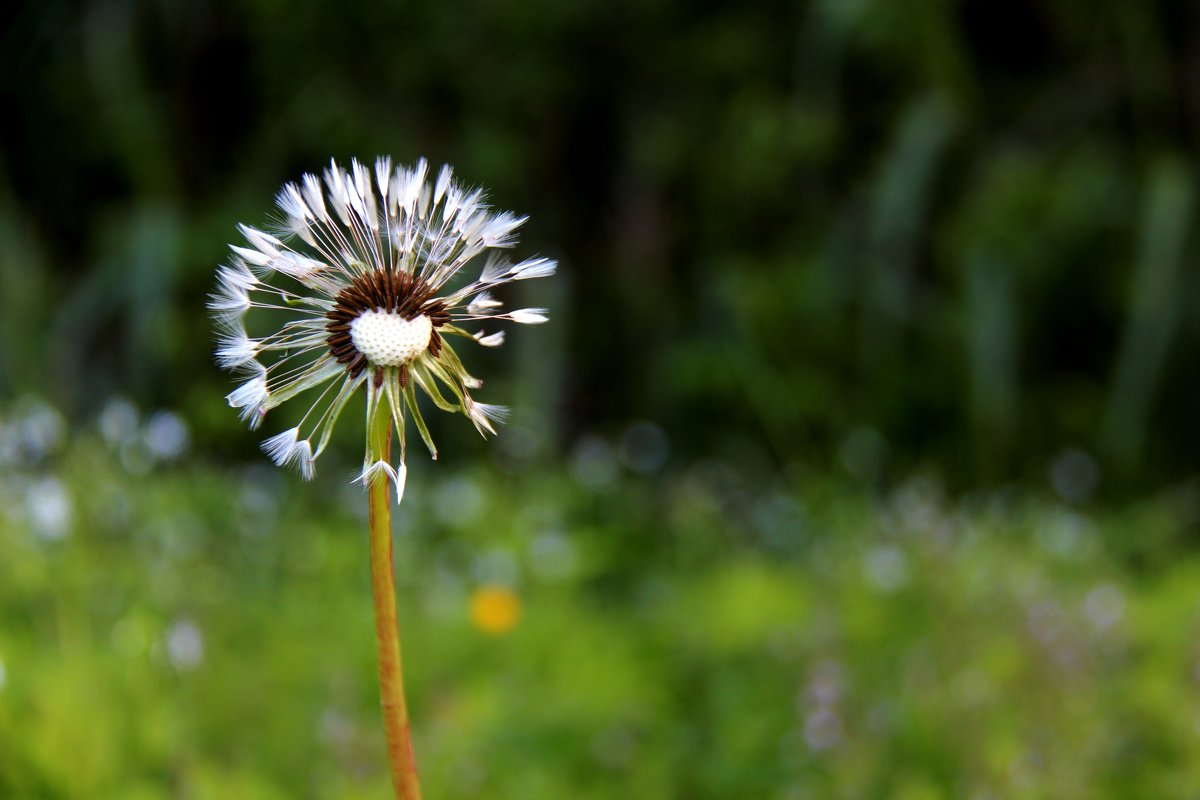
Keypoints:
pixel 207 634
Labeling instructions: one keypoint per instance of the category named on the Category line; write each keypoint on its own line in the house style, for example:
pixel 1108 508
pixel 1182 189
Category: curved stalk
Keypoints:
pixel 387 635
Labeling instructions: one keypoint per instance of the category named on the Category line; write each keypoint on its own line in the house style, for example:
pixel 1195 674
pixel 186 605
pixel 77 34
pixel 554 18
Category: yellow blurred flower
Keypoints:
pixel 495 609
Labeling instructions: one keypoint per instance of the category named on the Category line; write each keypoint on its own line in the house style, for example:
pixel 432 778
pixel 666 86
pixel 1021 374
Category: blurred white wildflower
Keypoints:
pixel 822 729
pixel 48 506
pixel 9 446
pixel 42 429
pixel 185 644
pixel 118 421
pixel 33 430
pixel 1104 606
pixel 362 266
pixel 167 435
pixel 820 703
pixel 886 568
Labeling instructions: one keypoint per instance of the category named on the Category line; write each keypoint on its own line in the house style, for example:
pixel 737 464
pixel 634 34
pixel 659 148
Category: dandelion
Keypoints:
pixel 495 609
pixel 362 275
pixel 363 269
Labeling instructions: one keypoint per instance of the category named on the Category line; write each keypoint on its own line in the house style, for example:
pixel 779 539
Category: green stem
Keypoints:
pixel 387 635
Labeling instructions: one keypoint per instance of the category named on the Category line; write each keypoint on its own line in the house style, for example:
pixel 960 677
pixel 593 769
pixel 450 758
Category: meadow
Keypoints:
pixel 612 629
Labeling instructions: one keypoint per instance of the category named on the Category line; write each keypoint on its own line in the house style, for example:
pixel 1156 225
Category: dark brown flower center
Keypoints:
pixel 395 292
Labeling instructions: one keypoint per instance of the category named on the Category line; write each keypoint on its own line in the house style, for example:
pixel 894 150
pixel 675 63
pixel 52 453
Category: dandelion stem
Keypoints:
pixel 387 634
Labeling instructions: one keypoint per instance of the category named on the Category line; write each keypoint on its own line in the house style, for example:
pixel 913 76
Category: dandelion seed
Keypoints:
pixel 490 340
pixel 528 316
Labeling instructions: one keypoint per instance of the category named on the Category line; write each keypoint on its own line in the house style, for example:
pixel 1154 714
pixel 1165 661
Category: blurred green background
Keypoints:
pixel 858 460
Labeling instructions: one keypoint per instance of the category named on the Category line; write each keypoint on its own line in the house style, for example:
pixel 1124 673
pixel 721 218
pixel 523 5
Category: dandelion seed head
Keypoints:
pixel 367 264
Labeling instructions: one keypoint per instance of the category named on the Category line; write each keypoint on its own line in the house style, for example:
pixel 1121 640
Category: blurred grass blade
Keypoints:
pixel 992 354
pixel 1154 315
pixel 896 217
